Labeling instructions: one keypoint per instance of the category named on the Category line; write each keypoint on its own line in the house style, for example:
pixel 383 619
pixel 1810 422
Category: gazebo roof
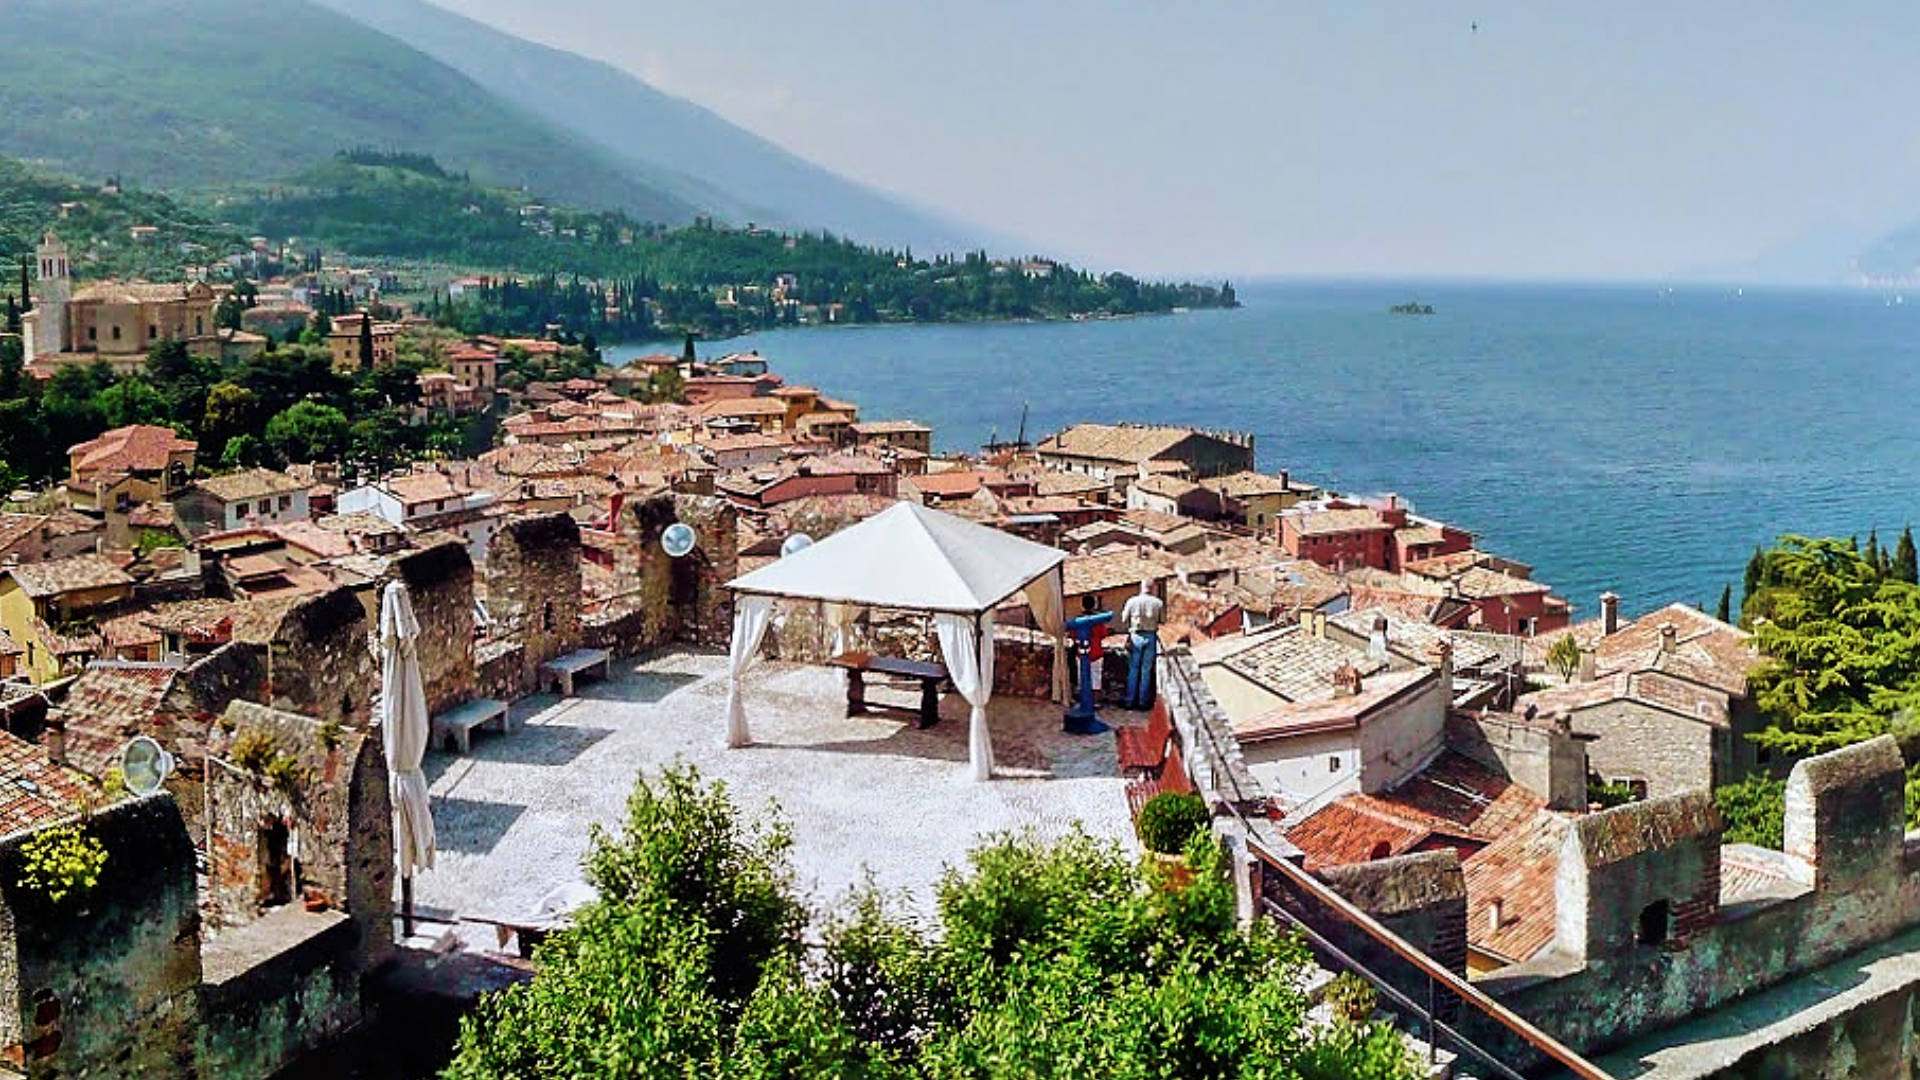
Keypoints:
pixel 908 557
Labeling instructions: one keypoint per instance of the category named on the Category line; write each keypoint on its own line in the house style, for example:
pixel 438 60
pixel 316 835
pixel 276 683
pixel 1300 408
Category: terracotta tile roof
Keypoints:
pixel 752 406
pixel 204 620
pixel 892 427
pixel 1654 688
pixel 1332 522
pixel 1416 639
pixel 1121 443
pixel 131 292
pixel 958 483
pixel 1347 831
pixel 128 631
pixel 427 486
pixel 33 790
pixel 1311 715
pixel 107 705
pixel 1297 665
pixel 139 448
pixel 1167 487
pixel 250 484
pixel 1480 583
pixel 1517 870
pixel 1247 484
pixel 17 527
pixel 57 576
pixel 1112 570
pixel 153 515
pixel 1067 483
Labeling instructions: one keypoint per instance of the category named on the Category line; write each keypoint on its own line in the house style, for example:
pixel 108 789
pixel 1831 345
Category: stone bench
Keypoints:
pixel 454 728
pixel 562 669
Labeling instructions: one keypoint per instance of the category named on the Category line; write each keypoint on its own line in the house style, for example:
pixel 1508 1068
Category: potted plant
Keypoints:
pixel 1167 822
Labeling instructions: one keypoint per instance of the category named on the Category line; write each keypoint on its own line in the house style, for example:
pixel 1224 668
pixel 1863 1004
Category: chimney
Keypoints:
pixel 1585 673
pixel 1442 654
pixel 1669 638
pixel 56 740
pixel 1346 681
pixel 1609 614
pixel 1377 640
pixel 1496 915
pixel 1283 480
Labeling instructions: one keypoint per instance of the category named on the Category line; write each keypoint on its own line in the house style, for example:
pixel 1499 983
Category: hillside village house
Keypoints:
pixel 475 366
pixel 1173 495
pixel 47 609
pixel 427 499
pixel 343 341
pixel 136 464
pixel 247 497
pixel 1121 451
pixel 899 434
pixel 1254 500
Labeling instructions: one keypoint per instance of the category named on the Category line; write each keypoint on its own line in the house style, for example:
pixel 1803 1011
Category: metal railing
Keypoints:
pixel 1224 781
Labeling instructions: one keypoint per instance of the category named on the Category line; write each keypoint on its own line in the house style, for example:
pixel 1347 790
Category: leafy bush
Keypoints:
pixel 1607 794
pixel 61 862
pixel 1048 961
pixel 1352 997
pixel 1169 819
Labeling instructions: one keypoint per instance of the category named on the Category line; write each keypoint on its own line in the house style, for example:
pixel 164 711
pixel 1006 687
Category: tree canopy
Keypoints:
pixel 1049 961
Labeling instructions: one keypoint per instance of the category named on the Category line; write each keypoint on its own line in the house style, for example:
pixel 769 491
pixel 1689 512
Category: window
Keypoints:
pixel 286 502
pixel 1654 919
pixel 116 333
pixel 153 330
pixel 1333 764
pixel 199 325
pixel 93 333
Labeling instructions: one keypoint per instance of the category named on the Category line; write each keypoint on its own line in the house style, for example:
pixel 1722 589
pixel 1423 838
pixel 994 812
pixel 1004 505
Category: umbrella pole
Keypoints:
pixel 406 905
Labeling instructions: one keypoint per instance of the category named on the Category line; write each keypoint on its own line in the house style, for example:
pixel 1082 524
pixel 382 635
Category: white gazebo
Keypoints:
pixel 914 559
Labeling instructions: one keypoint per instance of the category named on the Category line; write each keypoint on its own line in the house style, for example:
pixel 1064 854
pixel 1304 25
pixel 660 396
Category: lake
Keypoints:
pixel 1631 438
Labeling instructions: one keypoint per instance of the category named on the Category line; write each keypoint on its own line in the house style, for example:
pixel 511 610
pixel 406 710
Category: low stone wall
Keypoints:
pixel 286 985
pixel 501 670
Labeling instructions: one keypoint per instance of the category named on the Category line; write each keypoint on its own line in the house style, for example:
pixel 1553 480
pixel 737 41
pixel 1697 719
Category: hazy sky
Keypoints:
pixel 1621 139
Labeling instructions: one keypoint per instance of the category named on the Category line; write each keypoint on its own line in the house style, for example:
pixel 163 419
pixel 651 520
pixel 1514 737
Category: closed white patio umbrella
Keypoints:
pixel 403 731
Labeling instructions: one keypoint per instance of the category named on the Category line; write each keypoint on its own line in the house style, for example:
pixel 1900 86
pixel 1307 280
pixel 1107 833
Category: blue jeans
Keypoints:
pixel 1141 650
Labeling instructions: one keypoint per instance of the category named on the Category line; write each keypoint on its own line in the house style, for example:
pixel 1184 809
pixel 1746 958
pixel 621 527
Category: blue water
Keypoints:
pixel 1615 438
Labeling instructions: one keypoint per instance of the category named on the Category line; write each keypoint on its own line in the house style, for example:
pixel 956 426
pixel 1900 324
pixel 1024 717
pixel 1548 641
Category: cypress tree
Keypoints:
pixel 686 354
pixel 1724 610
pixel 1905 565
pixel 1872 554
pixel 1756 567
pixel 26 287
pixel 366 341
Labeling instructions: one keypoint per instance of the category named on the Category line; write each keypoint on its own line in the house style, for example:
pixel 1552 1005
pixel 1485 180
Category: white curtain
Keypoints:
pixel 1046 600
pixel 403 727
pixel 841 618
pixel 751 615
pixel 967 645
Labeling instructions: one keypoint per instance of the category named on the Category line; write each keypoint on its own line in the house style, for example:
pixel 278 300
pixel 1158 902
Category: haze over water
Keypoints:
pixel 1613 437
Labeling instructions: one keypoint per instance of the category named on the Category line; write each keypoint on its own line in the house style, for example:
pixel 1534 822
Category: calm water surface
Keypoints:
pixel 1629 438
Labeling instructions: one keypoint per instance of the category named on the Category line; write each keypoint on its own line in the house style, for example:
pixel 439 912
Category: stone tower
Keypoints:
pixel 46 325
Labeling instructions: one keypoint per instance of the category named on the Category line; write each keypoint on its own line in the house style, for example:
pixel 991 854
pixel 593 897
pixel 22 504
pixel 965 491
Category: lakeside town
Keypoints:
pixel 1405 742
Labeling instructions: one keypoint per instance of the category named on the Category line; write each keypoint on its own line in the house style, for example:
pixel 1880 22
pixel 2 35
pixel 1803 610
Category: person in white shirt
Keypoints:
pixel 1141 616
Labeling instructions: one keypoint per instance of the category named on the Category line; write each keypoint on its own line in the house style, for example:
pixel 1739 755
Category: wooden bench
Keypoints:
pixel 562 669
pixel 1144 749
pixel 1173 777
pixel 454 728
pixel 859 664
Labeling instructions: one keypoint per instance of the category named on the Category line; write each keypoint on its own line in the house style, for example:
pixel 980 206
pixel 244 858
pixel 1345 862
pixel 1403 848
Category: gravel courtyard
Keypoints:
pixel 866 794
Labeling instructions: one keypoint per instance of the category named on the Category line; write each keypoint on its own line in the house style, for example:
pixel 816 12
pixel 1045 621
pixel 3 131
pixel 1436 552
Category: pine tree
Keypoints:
pixel 1724 610
pixel 1906 567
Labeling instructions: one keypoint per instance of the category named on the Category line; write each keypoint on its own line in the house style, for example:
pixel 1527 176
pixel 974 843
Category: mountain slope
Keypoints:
pixel 183 92
pixel 674 143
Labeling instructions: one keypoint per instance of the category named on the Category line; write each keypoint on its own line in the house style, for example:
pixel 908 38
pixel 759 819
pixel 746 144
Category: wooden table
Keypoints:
pixel 859 664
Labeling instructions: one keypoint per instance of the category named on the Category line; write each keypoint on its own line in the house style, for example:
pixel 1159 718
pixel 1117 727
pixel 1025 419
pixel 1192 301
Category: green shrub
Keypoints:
pixel 1352 997
pixel 1169 820
pixel 251 751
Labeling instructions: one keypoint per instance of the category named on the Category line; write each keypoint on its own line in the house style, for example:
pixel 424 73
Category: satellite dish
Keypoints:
pixel 145 765
pixel 795 544
pixel 678 539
